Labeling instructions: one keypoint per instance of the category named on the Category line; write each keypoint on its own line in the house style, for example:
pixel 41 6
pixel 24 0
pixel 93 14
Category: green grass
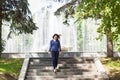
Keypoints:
pixel 111 62
pixel 113 67
pixel 11 66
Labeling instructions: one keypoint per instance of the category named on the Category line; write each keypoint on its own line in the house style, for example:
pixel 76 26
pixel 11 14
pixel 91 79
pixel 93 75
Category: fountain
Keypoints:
pixel 89 34
pixel 49 24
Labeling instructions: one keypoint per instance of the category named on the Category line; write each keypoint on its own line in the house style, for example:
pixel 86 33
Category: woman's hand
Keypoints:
pixel 49 52
pixel 60 54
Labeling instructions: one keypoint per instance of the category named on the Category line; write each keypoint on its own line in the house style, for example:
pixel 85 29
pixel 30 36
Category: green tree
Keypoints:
pixel 106 10
pixel 17 13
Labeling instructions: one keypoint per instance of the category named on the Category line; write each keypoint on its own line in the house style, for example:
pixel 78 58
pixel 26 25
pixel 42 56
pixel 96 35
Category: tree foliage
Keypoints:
pixel 17 13
pixel 106 10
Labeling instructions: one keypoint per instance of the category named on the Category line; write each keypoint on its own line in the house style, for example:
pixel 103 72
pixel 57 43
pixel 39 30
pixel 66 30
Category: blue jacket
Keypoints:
pixel 55 45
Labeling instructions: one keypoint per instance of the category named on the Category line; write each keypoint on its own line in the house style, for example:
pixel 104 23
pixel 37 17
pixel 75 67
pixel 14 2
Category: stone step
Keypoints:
pixel 60 70
pixel 46 61
pixel 62 67
pixel 65 58
pixel 61 59
pixel 61 62
pixel 64 77
pixel 90 67
pixel 44 78
pixel 50 73
pixel 65 64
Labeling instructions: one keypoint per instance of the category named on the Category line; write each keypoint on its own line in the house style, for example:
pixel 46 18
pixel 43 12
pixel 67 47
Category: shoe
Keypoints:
pixel 54 70
pixel 57 67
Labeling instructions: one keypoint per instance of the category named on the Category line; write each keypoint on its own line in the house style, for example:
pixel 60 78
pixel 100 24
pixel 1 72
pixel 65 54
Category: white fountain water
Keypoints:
pixel 89 35
pixel 48 24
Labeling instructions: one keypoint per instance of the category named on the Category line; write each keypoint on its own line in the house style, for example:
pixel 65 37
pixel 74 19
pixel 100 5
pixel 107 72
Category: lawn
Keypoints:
pixel 112 66
pixel 10 68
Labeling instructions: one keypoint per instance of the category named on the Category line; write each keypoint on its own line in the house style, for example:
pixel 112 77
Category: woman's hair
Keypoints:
pixel 56 35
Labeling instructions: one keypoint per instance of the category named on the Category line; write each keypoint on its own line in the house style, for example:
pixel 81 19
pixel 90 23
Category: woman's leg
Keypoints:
pixel 55 58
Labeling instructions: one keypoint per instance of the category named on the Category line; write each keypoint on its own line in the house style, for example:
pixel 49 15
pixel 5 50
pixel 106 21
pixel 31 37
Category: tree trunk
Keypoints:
pixel 109 46
pixel 1 27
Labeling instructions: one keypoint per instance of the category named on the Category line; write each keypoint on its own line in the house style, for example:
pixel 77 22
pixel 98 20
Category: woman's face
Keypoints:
pixel 55 38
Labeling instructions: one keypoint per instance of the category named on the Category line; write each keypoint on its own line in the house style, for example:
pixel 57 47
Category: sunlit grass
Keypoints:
pixel 113 67
pixel 11 66
pixel 111 62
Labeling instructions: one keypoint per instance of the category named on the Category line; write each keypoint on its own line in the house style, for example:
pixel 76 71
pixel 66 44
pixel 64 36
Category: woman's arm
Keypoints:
pixel 59 46
pixel 50 46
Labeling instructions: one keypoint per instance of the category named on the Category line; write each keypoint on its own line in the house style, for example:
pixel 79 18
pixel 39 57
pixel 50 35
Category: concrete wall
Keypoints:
pixel 64 54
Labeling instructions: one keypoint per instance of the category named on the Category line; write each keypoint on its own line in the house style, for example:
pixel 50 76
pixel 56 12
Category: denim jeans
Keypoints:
pixel 55 55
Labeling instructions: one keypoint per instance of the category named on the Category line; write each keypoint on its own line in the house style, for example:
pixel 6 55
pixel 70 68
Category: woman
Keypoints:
pixel 55 50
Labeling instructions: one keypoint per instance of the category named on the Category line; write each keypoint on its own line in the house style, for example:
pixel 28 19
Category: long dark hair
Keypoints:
pixel 56 35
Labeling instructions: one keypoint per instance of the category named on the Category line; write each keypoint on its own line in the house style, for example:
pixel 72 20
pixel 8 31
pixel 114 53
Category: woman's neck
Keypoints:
pixel 54 39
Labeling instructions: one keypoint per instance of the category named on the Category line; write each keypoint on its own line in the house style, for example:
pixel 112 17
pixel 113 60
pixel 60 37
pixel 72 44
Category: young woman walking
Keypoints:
pixel 55 50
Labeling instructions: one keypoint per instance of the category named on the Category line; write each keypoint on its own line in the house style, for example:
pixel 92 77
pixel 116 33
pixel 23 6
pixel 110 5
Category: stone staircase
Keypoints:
pixel 70 68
